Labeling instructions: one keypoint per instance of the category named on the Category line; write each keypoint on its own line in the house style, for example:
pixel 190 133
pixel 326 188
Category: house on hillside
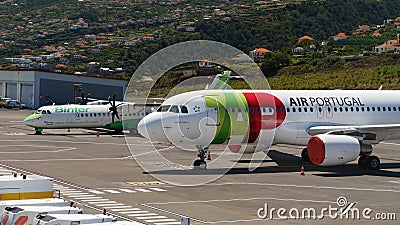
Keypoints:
pixel 340 36
pixel 205 63
pixel 305 38
pixel 258 53
pixel 390 46
pixel 363 29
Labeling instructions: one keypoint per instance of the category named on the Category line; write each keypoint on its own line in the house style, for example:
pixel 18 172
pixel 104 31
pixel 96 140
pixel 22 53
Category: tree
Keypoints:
pixel 273 62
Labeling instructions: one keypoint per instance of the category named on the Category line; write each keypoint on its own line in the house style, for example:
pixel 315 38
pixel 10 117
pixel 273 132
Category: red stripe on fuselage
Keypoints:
pixel 254 116
pixel 258 102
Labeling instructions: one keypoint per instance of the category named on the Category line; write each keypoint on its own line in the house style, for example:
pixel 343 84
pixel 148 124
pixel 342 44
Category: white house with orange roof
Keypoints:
pixel 390 46
pixel 258 53
pixel 205 63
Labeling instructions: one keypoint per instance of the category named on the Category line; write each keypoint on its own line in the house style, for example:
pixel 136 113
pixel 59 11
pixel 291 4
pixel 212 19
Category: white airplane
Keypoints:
pixel 336 126
pixel 90 116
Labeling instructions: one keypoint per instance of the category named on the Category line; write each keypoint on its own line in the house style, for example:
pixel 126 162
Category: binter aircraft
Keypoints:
pixel 335 126
pixel 103 114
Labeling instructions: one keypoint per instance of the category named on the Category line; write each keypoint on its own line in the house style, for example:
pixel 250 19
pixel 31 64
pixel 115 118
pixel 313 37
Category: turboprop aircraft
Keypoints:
pixel 90 116
pixel 335 126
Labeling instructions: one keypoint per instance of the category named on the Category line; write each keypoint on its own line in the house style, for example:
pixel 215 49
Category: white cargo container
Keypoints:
pixel 16 187
pixel 24 215
pixel 33 202
pixel 62 219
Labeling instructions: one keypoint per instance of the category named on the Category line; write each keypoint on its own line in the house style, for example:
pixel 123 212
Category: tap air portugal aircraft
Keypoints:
pixel 90 116
pixel 336 126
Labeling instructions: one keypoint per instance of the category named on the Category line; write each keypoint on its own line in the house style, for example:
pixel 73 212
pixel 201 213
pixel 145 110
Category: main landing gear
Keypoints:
pixel 304 155
pixel 201 162
pixel 38 131
pixel 370 162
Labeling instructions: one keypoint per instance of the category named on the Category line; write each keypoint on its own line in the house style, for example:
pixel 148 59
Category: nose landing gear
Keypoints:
pixel 201 162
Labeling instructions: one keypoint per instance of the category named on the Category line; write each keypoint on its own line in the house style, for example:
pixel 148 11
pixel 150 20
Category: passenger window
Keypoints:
pixel 351 109
pixel 320 109
pixel 90 114
pixel 373 109
pixel 341 109
pixel 305 109
pixel 82 115
pixel 174 109
pixel 258 109
pixel 335 109
pixel 251 110
pixel 311 109
pixel 233 110
pixel 282 109
pixel 294 109
pixel 270 110
pixel 379 109
pixel 264 110
pixel 384 109
pixel 239 110
pixel 299 109
pixel 357 109
pixel 368 109
pixel 389 109
pixel 94 114
pixel 362 109
pixel 288 109
pixel 394 108
pixel 346 109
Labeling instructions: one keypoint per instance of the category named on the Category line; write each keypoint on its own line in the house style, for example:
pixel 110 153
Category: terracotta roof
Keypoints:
pixel 261 50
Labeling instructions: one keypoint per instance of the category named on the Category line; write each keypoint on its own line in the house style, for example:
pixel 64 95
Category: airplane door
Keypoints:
pixel 212 111
pixel 320 112
pixel 329 111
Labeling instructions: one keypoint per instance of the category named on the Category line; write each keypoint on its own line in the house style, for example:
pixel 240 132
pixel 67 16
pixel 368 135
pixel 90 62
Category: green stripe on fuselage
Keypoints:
pixel 237 106
pixel 223 130
pixel 126 124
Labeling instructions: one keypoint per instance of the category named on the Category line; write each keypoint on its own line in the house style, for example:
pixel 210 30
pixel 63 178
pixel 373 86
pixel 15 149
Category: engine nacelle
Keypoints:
pixel 331 150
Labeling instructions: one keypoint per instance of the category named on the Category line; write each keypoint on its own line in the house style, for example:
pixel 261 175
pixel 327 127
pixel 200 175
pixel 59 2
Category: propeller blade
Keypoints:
pixel 117 116
pixel 83 98
pixel 112 117
pixel 114 96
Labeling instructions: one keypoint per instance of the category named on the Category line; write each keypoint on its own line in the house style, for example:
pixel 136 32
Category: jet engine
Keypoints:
pixel 331 150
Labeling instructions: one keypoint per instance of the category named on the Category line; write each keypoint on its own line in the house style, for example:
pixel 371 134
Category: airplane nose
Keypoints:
pixel 30 120
pixel 151 128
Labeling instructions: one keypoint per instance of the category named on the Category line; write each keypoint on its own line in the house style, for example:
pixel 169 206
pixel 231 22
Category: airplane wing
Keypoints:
pixel 376 132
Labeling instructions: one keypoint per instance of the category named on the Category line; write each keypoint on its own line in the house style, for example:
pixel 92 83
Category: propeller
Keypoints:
pixel 113 108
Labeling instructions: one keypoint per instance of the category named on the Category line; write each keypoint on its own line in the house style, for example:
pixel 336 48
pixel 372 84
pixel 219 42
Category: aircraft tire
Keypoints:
pixel 373 163
pixel 304 155
pixel 200 164
pixel 362 161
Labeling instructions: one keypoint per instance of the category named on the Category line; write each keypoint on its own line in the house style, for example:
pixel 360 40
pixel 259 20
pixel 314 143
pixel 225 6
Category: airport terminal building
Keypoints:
pixel 35 88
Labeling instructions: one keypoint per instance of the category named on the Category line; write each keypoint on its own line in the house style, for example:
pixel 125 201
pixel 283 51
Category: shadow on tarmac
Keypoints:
pixel 288 163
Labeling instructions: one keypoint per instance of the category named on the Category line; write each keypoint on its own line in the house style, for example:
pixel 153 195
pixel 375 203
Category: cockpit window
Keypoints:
pixel 174 109
pixel 48 112
pixel 184 109
pixel 163 108
pixel 38 112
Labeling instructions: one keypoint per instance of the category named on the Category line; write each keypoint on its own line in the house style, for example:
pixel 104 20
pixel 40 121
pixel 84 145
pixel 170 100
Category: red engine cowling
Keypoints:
pixel 331 150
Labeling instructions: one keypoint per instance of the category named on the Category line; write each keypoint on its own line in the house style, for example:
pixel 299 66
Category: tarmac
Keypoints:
pixel 99 172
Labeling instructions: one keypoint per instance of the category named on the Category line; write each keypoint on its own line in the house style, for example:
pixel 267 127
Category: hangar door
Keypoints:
pixel 11 90
pixel 27 95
